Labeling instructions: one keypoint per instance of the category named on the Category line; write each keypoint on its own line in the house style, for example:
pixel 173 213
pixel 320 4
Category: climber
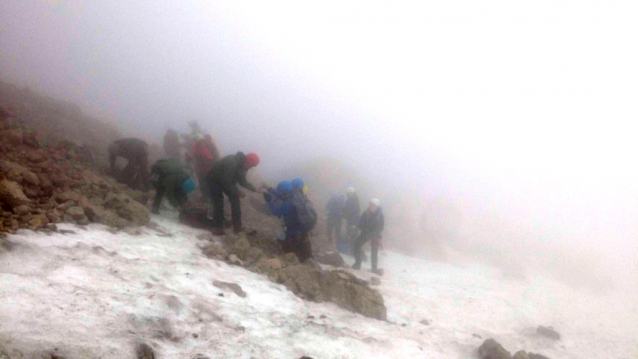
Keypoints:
pixel 334 209
pixel 351 212
pixel 371 225
pixel 172 181
pixel 224 177
pixel 291 204
pixel 135 174
pixel 203 154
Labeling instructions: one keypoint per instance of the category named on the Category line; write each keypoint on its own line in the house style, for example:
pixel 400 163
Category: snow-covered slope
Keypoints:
pixel 93 293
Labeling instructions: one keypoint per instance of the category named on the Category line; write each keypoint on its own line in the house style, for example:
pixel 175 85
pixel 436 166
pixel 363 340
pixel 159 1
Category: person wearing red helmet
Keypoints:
pixel 225 175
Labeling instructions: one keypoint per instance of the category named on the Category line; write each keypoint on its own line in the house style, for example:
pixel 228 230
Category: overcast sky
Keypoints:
pixel 528 106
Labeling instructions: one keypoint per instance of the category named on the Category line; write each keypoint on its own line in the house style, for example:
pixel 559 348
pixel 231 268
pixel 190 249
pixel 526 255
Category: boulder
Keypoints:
pixel 214 251
pixel 331 258
pixel 12 170
pixel 548 332
pixel 351 293
pixel 138 196
pixel 305 281
pixel 21 209
pixel 241 248
pixel 38 221
pixel 253 256
pixel 234 287
pixel 521 354
pixel 491 349
pixel 375 281
pixel 11 193
pixel 63 197
pixel 127 208
pixel 31 178
pixel 76 212
pixel 289 259
pixel 233 259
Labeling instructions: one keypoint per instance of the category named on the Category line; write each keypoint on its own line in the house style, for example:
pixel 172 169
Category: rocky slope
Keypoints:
pixel 43 183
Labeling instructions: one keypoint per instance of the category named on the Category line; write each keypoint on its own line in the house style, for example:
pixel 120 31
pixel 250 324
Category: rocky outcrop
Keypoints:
pixel 305 280
pixel 43 185
pixel 491 349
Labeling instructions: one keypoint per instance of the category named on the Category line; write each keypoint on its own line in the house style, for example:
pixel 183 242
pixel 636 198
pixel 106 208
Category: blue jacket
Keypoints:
pixel 281 205
pixel 335 206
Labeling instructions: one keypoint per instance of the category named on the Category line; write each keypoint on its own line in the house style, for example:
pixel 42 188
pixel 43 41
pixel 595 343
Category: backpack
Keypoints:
pixel 306 214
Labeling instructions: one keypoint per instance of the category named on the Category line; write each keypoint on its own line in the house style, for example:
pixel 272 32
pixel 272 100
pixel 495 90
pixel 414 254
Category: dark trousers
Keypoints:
pixel 217 198
pixel 334 225
pixel 299 245
pixel 204 185
pixel 159 195
pixel 358 250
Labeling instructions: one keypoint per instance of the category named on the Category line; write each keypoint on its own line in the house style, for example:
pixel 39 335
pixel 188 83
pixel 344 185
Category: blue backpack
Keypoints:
pixel 306 214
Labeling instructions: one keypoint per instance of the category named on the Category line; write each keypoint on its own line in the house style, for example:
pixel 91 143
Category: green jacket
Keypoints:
pixel 170 175
pixel 229 172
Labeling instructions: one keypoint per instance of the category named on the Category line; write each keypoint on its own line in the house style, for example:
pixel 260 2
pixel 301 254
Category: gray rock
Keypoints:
pixel 22 210
pixel 234 287
pixel 491 349
pixel 548 332
pixel 76 212
pixel 331 258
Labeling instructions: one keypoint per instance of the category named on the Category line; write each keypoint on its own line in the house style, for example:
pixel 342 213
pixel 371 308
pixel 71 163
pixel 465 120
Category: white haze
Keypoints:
pixel 516 119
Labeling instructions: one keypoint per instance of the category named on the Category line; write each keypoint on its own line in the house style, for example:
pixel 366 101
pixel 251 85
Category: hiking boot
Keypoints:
pixel 237 228
pixel 356 266
pixel 378 272
pixel 218 232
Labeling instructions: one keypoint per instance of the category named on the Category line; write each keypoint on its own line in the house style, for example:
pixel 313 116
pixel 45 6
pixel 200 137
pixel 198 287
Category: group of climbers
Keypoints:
pixel 223 176
pixel 360 228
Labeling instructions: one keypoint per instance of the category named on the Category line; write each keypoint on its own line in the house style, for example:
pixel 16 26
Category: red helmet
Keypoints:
pixel 252 159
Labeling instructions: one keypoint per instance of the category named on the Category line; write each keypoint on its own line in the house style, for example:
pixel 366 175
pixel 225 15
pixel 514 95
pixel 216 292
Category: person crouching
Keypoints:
pixel 172 181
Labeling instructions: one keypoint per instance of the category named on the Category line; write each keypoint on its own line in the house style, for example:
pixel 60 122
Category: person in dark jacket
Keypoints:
pixel 171 181
pixel 225 175
pixel 371 225
pixel 280 202
pixel 135 151
pixel 351 213
pixel 334 209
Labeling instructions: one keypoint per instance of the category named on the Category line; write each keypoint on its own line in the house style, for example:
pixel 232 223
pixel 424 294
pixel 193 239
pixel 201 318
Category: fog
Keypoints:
pixel 503 130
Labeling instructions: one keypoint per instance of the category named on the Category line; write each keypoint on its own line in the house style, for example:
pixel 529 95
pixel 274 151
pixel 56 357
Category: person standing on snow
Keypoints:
pixel 351 213
pixel 371 225
pixel 171 180
pixel 298 216
pixel 135 174
pixel 224 177
pixel 334 208
pixel 203 154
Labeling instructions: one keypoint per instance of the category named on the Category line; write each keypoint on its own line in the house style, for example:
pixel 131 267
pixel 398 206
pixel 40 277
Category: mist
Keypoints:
pixel 501 132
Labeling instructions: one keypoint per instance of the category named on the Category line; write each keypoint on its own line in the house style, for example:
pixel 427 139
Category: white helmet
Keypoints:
pixel 376 202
